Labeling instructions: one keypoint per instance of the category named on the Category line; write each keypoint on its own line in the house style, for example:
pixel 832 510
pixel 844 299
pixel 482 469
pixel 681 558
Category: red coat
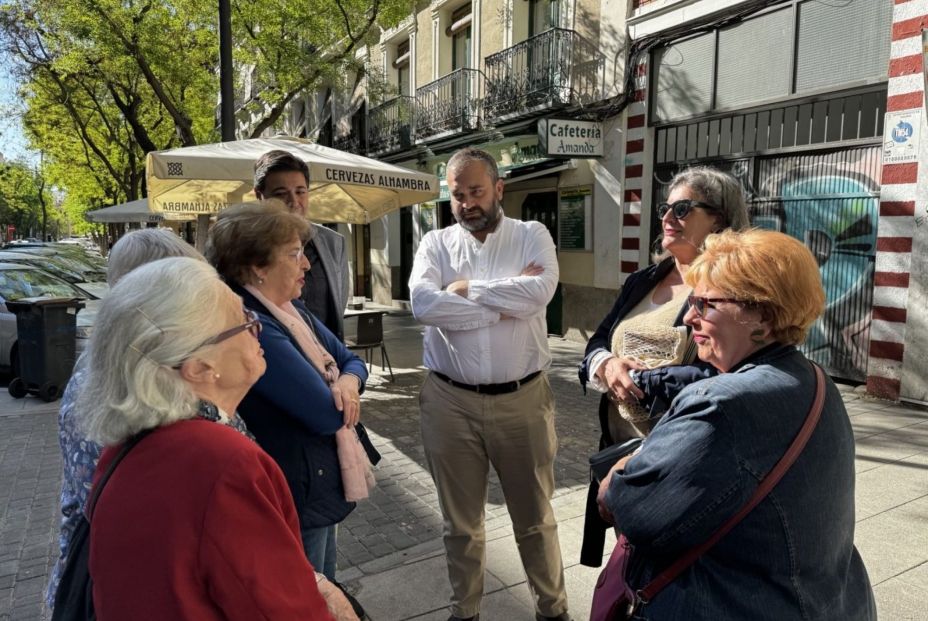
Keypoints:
pixel 197 523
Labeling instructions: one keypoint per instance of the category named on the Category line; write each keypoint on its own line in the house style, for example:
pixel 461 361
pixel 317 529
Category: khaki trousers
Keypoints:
pixel 463 432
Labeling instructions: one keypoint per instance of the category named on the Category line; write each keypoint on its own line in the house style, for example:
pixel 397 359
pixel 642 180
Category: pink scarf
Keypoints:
pixel 357 472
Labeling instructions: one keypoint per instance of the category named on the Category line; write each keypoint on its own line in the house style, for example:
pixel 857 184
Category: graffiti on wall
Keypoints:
pixel 830 201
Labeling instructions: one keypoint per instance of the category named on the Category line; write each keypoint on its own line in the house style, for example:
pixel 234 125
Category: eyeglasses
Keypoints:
pixel 682 208
pixel 296 255
pixel 252 324
pixel 702 304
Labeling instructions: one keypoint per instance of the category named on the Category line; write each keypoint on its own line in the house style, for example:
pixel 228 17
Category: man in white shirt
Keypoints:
pixel 481 288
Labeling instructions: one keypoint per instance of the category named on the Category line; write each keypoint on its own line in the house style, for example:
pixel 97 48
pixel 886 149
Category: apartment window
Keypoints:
pixel 460 31
pixel 806 46
pixel 542 15
pixel 839 44
pixel 402 65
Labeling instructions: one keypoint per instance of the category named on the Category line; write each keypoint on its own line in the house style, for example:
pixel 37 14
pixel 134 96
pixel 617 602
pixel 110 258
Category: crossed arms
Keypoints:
pixel 467 304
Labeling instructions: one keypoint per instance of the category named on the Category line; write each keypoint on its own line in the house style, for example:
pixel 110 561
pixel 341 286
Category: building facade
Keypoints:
pixel 591 107
pixel 534 82
pixel 816 107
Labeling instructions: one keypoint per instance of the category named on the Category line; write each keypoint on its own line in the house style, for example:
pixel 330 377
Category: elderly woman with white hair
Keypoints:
pixel 78 454
pixel 195 521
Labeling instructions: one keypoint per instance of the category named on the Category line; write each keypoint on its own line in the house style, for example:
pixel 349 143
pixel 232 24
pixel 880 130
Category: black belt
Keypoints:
pixel 489 389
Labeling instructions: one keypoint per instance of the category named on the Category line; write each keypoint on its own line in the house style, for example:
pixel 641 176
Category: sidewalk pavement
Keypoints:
pixel 390 549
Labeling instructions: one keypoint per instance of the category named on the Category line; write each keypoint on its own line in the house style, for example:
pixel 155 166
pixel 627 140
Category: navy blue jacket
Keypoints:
pixel 793 556
pixel 291 412
pixel 636 287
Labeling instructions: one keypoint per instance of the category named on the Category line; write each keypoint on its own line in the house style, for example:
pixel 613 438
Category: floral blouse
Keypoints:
pixel 80 455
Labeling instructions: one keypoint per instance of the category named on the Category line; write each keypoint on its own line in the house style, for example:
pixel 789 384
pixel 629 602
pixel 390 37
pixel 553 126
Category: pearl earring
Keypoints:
pixel 215 376
pixel 260 281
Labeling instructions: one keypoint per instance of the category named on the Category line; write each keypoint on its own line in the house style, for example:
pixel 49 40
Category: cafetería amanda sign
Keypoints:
pixel 571 138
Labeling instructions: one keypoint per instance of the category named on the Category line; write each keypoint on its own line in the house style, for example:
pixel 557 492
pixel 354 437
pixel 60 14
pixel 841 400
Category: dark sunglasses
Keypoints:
pixel 252 324
pixel 682 208
pixel 702 304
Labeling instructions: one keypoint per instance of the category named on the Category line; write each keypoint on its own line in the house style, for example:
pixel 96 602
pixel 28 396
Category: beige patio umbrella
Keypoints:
pixel 134 211
pixel 343 187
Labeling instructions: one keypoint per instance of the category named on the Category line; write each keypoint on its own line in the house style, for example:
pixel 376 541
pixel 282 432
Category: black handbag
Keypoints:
pixel 74 597
pixel 372 453
pixel 603 461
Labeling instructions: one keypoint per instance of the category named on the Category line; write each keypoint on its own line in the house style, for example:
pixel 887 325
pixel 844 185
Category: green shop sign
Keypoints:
pixel 510 154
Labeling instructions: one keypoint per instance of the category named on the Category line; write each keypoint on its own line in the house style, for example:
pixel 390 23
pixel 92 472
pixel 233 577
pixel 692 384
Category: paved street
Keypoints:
pixel 390 550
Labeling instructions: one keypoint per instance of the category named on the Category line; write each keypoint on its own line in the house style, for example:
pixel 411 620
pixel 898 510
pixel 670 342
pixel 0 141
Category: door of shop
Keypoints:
pixel 406 254
pixel 362 265
pixel 542 207
pixel 830 201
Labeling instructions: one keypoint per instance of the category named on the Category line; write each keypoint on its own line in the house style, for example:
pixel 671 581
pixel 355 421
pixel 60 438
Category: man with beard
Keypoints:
pixel 481 288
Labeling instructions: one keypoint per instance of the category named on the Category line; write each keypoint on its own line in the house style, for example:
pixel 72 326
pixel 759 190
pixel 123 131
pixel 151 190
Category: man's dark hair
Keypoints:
pixel 278 161
pixel 469 155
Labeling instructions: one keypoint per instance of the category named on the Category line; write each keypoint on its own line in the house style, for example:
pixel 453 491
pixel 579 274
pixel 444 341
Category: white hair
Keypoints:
pixel 149 323
pixel 144 246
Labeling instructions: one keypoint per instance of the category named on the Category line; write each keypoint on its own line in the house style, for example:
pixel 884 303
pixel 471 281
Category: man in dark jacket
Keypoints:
pixel 282 175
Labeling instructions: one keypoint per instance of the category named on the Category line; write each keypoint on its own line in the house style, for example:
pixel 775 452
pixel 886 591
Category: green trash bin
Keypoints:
pixel 46 332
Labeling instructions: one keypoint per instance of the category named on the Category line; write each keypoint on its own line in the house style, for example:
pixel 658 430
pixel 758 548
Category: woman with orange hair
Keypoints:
pixel 792 555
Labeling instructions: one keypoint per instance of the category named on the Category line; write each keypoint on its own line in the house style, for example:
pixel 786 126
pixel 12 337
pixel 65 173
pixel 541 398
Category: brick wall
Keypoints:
pixel 635 128
pixel 898 199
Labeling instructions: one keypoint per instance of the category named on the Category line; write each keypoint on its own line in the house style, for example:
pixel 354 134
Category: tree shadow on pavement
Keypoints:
pixel 403 509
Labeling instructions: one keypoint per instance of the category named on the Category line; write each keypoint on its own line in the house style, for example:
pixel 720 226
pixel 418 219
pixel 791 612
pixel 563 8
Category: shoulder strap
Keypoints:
pixel 98 488
pixel 643 596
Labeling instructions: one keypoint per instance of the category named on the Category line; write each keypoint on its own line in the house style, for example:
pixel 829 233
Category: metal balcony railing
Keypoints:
pixel 350 143
pixel 391 125
pixel 554 69
pixel 449 104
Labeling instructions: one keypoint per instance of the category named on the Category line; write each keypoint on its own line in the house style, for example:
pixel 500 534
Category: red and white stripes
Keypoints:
pixel 635 129
pixel 899 204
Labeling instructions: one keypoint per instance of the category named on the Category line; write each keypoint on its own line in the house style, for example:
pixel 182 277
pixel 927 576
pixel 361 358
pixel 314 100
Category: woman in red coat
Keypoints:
pixel 196 522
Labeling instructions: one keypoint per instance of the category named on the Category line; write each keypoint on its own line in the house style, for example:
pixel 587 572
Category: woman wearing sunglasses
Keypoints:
pixel 196 521
pixel 312 385
pixel 701 201
pixel 755 294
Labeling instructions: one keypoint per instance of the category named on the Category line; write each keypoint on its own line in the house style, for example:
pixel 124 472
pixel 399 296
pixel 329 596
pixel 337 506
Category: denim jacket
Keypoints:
pixel 793 556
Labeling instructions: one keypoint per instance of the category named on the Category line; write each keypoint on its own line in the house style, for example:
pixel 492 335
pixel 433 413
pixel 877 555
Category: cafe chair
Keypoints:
pixel 369 337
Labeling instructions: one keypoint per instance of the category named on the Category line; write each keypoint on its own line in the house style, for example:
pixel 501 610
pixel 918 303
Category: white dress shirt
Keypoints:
pixel 465 338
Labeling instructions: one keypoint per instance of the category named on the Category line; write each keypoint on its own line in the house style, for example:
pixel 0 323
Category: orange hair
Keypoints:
pixel 771 270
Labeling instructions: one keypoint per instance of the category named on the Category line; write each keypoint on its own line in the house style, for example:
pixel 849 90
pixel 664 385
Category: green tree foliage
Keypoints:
pixel 25 200
pixel 106 81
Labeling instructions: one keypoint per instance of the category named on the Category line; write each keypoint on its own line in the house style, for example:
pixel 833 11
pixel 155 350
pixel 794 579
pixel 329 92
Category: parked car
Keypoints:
pixel 85 244
pixel 18 281
pixel 70 265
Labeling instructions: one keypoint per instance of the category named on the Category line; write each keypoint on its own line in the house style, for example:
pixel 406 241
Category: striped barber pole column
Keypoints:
pixel 635 128
pixel 899 205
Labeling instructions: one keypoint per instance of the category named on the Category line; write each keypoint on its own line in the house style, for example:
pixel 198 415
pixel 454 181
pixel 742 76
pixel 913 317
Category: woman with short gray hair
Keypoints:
pixel 645 326
pixel 147 340
pixel 144 246
pixel 79 454
pixel 196 521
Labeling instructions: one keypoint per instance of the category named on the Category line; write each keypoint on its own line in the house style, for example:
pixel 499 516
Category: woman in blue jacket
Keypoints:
pixel 312 384
pixel 755 294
